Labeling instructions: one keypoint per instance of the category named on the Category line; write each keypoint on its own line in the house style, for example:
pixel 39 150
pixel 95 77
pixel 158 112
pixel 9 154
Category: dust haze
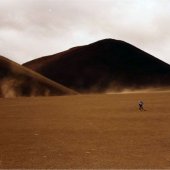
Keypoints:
pixel 11 88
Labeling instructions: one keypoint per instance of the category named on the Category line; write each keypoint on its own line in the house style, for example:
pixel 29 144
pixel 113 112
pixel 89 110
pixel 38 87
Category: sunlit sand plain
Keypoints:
pixel 86 131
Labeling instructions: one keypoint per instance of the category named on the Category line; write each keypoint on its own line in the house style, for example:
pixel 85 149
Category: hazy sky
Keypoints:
pixel 35 28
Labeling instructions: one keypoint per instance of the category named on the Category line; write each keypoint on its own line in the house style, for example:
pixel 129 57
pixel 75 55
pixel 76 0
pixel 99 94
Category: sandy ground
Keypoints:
pixel 91 131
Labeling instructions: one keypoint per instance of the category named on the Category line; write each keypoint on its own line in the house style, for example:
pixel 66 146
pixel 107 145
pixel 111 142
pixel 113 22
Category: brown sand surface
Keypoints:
pixel 86 131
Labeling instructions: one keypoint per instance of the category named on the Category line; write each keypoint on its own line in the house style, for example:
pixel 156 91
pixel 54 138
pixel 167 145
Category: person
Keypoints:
pixel 141 105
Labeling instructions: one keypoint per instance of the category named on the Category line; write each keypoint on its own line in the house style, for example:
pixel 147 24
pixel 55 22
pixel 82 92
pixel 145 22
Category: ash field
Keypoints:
pixel 86 131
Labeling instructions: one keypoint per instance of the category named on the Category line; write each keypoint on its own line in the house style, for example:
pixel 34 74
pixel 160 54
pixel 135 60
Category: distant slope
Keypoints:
pixel 106 64
pixel 16 80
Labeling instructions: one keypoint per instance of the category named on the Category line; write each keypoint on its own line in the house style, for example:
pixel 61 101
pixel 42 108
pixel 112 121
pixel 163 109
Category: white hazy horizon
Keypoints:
pixel 31 29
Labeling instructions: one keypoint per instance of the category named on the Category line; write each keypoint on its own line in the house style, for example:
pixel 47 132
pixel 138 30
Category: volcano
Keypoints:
pixel 104 65
pixel 16 80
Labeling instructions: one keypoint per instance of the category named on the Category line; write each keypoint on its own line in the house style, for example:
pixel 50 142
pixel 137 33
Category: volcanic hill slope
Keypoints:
pixel 106 64
pixel 16 80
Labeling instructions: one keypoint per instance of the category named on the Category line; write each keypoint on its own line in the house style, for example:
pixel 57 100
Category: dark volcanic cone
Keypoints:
pixel 106 64
pixel 16 80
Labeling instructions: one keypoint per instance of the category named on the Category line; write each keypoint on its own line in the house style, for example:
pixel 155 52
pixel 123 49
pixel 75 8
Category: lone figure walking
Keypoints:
pixel 141 105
